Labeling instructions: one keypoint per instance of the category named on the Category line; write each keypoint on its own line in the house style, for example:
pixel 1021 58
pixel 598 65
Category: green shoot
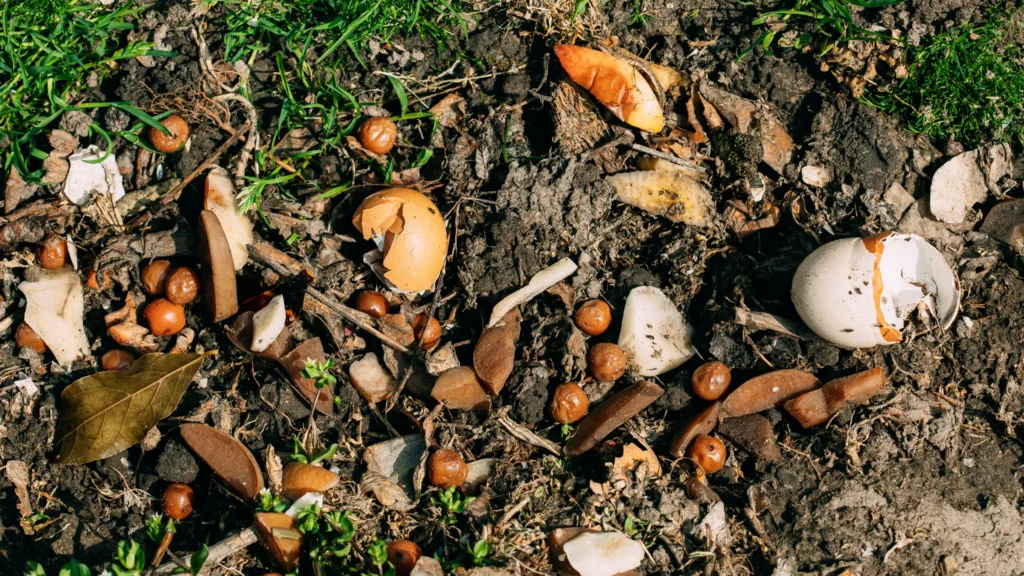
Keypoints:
pixel 319 372
pixel 480 551
pixel 451 503
pixel 268 502
pixel 129 559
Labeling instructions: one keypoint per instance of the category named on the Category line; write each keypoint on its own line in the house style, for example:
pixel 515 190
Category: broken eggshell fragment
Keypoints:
pixel 593 553
pixel 858 292
pixel 54 309
pixel 411 239
pixel 267 324
pixel 615 83
pixel 371 379
pixel 221 199
pixel 653 334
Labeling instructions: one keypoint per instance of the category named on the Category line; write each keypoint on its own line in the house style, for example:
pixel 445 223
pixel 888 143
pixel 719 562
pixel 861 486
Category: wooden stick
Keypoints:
pixel 173 194
pixel 329 305
pixel 217 552
pixel 667 157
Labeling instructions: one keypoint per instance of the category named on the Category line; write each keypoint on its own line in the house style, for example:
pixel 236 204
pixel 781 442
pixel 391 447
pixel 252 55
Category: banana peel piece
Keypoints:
pixel 668 193
pixel 617 84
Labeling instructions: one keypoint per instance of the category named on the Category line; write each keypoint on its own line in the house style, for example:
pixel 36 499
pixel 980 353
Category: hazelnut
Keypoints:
pixel 594 317
pixel 429 328
pixel 607 362
pixel 711 380
pixel 178 128
pixel 177 501
pixel 154 277
pixel 116 360
pixel 53 253
pixel 373 303
pixel 378 135
pixel 182 285
pixel 403 555
pixel 569 403
pixel 26 337
pixel 446 468
pixel 708 453
pixel 164 317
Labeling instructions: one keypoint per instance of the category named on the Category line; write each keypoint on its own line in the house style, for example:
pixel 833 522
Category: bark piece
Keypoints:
pixel 495 352
pixel 766 391
pixel 611 414
pixel 460 389
pixel 701 425
pixel 229 459
pixel 753 433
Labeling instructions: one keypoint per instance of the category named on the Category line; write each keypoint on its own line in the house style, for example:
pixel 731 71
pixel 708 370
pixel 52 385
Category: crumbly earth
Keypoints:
pixel 928 475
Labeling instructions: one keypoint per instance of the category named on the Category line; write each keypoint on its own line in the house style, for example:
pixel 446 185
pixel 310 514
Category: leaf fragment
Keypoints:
pixel 108 412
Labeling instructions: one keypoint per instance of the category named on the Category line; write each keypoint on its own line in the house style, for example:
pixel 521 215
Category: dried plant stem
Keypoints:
pixel 173 193
pixel 217 552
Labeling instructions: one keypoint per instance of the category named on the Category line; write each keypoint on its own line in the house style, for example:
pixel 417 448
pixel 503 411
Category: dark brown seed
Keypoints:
pixel 446 468
pixel 611 414
pixel 53 253
pixel 116 359
pixel 373 303
pixel 182 285
pixel 177 501
pixel 708 453
pixel 378 135
pixel 154 277
pixel 766 391
pixel 26 337
pixel 427 329
pixel 165 318
pixel 229 459
pixel 607 362
pixel 711 380
pixel 569 403
pixel 701 425
pixel 594 317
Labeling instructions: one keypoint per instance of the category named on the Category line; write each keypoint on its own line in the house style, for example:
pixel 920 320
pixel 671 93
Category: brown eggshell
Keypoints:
pixel 219 285
pixel 415 239
pixel 768 391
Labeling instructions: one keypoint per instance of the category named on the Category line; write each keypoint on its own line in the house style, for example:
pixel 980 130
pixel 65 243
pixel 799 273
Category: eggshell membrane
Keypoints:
pixel 615 83
pixel 856 292
pixel 415 240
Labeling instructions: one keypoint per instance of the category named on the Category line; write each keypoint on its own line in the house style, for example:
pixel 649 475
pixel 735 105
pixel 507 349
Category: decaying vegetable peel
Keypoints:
pixel 220 198
pixel 54 309
pixel 666 192
pixel 615 83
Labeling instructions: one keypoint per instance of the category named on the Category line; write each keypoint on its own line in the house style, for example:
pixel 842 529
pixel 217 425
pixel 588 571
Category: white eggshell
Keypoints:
pixel 603 553
pixel 834 289
pixel 654 335
pixel 267 324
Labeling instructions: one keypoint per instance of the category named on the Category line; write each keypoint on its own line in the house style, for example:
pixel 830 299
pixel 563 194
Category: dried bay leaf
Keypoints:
pixel 108 412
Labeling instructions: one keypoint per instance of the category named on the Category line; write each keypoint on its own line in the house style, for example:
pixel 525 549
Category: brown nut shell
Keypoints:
pixel 607 362
pixel 446 469
pixel 569 403
pixel 177 501
pixel 169 144
pixel 709 453
pixel 611 414
pixel 229 459
pixel 378 134
pixel 711 380
pixel 593 317
pixel 301 479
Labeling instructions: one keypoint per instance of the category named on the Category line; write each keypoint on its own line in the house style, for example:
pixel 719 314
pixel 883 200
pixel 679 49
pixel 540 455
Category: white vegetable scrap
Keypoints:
pixel 603 553
pixel 221 199
pixel 540 282
pixel 55 304
pixel 87 177
pixel 669 193
pixel 267 324
pixel 654 334
pixel 371 379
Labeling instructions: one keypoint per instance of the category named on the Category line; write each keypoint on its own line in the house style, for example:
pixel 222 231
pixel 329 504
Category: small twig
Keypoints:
pixel 173 193
pixel 757 321
pixel 527 436
pixel 329 305
pixel 250 142
pixel 420 352
pixel 667 157
pixel 217 552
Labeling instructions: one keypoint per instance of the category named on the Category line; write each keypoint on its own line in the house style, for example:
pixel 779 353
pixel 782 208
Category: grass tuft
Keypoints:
pixel 966 84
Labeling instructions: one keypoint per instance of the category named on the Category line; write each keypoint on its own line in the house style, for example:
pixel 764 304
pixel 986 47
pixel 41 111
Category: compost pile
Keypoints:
pixel 571 295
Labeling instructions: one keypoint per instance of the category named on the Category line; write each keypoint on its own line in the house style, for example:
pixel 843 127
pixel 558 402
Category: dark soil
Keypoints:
pixel 931 470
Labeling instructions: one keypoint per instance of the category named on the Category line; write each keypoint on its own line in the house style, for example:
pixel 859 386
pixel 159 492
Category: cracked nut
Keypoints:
pixel 607 362
pixel 569 403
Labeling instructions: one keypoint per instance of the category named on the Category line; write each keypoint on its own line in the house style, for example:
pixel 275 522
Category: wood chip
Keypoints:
pixel 611 414
pixel 495 352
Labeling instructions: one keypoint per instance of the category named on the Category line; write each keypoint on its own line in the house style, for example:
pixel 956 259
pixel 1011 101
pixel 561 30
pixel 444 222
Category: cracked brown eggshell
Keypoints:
pixel 410 233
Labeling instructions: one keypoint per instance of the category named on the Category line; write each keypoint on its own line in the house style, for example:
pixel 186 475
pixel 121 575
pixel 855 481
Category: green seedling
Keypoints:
pixel 451 503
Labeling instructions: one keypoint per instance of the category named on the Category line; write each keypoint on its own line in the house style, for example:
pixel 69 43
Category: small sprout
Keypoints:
pixel 451 502
pixel 319 372
pixel 480 552
pixel 378 552
pixel 129 559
